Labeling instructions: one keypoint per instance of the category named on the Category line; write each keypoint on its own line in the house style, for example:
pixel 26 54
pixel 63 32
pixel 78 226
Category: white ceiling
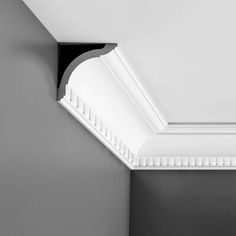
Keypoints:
pixel 185 51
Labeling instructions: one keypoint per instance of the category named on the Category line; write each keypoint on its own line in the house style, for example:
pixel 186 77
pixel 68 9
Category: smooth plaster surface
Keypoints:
pixel 55 177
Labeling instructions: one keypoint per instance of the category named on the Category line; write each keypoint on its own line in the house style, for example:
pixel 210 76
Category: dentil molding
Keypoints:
pixel 98 85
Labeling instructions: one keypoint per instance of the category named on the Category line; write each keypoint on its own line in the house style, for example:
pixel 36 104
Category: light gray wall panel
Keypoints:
pixel 55 177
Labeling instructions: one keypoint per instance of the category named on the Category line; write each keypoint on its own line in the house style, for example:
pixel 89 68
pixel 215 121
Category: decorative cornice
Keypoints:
pixel 125 137
pixel 84 114
pixel 114 63
pixel 200 163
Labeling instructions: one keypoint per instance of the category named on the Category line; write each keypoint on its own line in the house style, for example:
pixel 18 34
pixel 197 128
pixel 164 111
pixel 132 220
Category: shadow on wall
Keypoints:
pixel 183 203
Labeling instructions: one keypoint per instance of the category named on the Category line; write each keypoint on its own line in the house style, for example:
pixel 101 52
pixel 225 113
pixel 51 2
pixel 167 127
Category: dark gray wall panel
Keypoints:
pixel 183 203
pixel 55 177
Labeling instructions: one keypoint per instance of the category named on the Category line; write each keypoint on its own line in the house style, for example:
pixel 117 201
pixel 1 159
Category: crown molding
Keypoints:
pixel 74 78
pixel 99 87
pixel 114 58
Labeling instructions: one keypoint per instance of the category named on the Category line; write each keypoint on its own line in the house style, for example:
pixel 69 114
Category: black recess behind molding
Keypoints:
pixel 67 52
pixel 70 55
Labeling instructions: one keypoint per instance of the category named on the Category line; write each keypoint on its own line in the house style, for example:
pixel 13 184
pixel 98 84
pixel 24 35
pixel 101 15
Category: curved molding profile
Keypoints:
pixel 97 76
pixel 85 52
pixel 100 88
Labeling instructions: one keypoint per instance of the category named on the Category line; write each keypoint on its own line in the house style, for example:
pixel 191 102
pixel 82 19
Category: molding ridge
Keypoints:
pixel 129 80
pixel 200 128
pixel 139 83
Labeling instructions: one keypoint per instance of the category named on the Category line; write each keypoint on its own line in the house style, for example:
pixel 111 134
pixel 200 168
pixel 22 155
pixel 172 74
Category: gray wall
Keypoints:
pixel 183 203
pixel 55 177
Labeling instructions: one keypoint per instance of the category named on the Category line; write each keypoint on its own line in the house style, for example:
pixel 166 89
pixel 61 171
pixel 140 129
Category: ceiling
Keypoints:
pixel 185 51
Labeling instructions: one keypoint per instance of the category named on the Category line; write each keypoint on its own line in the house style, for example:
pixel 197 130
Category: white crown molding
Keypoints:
pixel 83 113
pixel 92 81
pixel 103 92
